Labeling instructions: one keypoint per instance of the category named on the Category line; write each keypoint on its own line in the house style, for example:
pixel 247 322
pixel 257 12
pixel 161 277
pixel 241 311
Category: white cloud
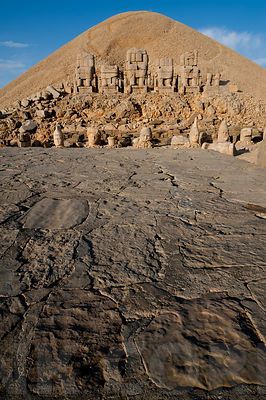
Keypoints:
pixel 251 45
pixel 13 65
pixel 10 69
pixel 10 65
pixel 14 45
pixel 233 39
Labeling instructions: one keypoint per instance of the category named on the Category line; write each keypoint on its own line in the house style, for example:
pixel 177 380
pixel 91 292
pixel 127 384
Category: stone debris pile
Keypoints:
pixel 145 103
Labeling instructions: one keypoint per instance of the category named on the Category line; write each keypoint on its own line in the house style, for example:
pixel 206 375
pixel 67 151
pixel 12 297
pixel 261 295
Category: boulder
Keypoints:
pixel 224 148
pixel 25 103
pixel 125 109
pixel 43 114
pixel 179 141
pixel 13 143
pixel 53 92
pixel 28 126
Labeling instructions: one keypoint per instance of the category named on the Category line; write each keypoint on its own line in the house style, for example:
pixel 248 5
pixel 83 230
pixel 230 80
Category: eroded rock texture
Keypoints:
pixel 131 275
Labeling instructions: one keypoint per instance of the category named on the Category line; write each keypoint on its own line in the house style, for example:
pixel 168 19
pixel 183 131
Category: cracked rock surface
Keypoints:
pixel 131 274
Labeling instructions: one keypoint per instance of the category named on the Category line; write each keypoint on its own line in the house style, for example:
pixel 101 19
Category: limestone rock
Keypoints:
pixel 179 141
pixel 131 275
pixel 43 113
pixel 194 134
pixel 223 132
pixel 53 91
pixel 112 142
pixel 246 135
pixel 25 103
pixel 94 137
pixel 58 136
pixel 51 213
pixel 28 126
pixel 144 141
pixel 221 147
pixel 261 152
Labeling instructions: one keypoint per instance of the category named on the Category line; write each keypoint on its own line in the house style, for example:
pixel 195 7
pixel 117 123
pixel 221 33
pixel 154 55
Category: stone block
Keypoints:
pixel 179 141
pixel 28 126
pixel 224 148
pixel 53 92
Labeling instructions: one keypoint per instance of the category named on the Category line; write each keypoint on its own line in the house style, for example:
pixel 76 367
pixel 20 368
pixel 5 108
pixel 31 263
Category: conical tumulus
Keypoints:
pixel 113 37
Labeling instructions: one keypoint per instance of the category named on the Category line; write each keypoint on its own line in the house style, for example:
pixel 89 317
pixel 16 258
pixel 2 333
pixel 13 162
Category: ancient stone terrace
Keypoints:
pixel 142 75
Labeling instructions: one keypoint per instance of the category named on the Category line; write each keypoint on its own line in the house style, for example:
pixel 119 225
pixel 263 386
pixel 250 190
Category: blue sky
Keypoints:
pixel 30 30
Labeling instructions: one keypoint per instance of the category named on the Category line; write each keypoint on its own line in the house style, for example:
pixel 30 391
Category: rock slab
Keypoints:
pixel 56 214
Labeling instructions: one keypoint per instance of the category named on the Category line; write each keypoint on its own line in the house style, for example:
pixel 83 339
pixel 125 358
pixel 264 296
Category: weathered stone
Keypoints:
pixel 28 126
pixel 94 137
pixel 56 214
pixel 246 135
pixel 58 136
pixel 136 71
pixel 179 141
pixel 43 114
pixel 194 134
pixel 111 81
pixel 189 81
pixel 99 304
pixel 112 142
pixel 261 152
pixel 85 73
pixel 25 103
pixel 221 147
pixel 13 143
pixel 164 81
pixel 144 141
pixel 53 92
pixel 223 132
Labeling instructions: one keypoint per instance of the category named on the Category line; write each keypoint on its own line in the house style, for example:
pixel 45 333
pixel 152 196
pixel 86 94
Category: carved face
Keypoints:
pixel 93 137
pixel 146 135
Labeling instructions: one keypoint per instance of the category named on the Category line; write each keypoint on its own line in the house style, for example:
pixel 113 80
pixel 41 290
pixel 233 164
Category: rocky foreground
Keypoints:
pixel 131 274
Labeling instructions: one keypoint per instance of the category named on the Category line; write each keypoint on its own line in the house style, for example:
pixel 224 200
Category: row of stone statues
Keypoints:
pixel 222 144
pixel 140 76
pixel 145 140
pixel 94 138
